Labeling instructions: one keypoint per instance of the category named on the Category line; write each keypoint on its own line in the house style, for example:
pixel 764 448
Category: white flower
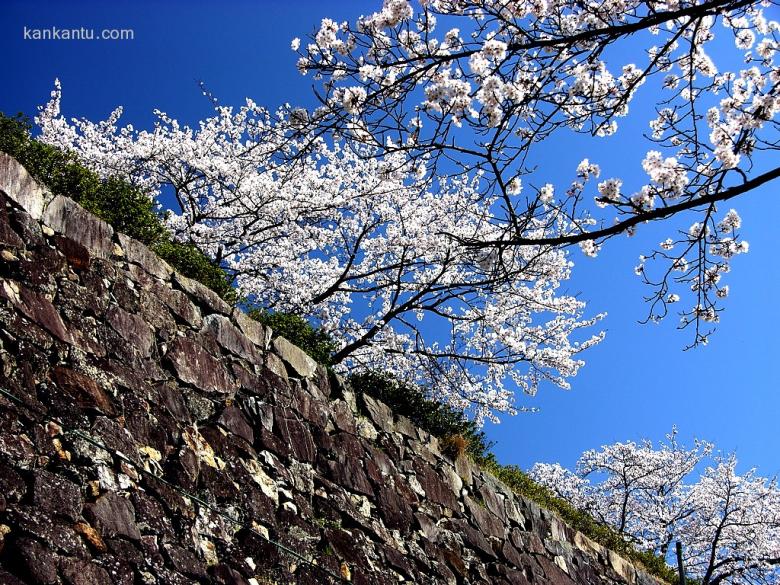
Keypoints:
pixel 546 193
pixel 353 99
pixel 610 191
pixel 515 186
pixel 744 39
pixel 589 248
pixel 730 222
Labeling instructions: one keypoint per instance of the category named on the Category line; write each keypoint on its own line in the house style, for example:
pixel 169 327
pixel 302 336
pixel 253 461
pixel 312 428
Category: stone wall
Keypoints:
pixel 162 437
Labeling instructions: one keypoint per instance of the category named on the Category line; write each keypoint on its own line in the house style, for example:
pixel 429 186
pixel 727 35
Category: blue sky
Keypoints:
pixel 636 384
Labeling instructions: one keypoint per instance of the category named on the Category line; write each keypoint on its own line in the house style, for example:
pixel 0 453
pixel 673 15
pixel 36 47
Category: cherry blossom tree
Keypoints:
pixel 473 86
pixel 729 524
pixel 358 242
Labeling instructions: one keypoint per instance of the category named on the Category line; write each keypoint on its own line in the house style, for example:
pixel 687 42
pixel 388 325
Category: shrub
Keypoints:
pixel 127 208
pixel 191 262
pixel 454 446
pixel 297 330
pixel 434 417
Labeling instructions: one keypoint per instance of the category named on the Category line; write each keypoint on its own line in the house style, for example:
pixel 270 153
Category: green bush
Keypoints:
pixel 297 330
pixel 434 417
pixel 191 262
pixel 127 208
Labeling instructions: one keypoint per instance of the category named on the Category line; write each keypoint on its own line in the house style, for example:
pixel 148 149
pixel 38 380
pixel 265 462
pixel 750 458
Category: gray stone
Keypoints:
pixel 230 338
pixel 486 522
pixel 453 479
pixel 139 254
pixel 85 391
pixel 201 294
pixel 494 502
pixel 113 516
pixel 404 426
pixel 463 466
pixel 56 495
pixel 40 562
pixel 184 561
pixel 36 308
pixel 178 302
pixel 435 489
pixel 84 572
pixel 296 436
pixel 235 422
pixel 379 412
pixel 274 363
pixel 17 183
pixel 258 333
pixel 73 221
pixel 303 365
pixel 194 365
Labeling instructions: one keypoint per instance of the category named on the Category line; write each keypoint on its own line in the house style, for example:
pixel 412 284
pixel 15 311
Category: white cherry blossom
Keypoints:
pixel 728 524
pixel 503 76
pixel 361 244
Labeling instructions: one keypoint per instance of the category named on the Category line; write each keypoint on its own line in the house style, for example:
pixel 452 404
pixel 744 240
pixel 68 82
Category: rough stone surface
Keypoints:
pixel 70 219
pixel 17 183
pixel 194 365
pixel 230 338
pixel 255 331
pixel 56 495
pixel 113 515
pixel 133 330
pixel 139 254
pixel 35 307
pixel 169 389
pixel 202 295
pixel 301 364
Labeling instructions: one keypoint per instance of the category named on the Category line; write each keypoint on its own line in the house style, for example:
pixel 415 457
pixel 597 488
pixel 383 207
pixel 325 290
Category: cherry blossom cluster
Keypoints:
pixel 728 524
pixel 364 245
pixel 694 264
pixel 470 86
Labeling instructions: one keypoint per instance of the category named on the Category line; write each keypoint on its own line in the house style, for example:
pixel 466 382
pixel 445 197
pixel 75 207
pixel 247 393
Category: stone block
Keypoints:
pixel 202 295
pixel 19 185
pixel 139 254
pixel 73 221
pixel 297 359
pixel 195 366
pixel 254 330
pixel 231 339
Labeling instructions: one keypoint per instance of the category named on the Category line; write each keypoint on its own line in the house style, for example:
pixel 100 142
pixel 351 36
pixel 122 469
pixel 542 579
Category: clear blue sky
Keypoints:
pixel 637 383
